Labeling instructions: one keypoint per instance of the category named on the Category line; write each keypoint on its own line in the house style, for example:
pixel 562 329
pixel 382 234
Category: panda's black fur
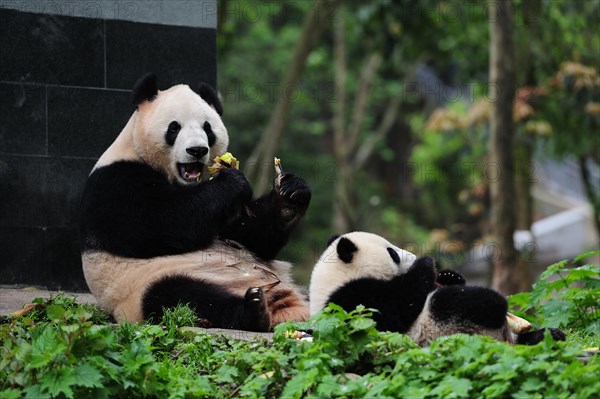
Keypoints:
pixel 414 299
pixel 143 215
pixel 150 242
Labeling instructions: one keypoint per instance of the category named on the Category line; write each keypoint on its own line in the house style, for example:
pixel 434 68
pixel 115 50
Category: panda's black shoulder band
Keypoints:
pixel 145 89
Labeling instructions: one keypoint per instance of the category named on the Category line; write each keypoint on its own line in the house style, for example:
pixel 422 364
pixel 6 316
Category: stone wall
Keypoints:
pixel 66 70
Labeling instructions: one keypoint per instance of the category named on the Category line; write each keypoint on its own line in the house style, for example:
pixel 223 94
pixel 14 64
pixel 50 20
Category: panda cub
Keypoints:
pixel 156 230
pixel 365 269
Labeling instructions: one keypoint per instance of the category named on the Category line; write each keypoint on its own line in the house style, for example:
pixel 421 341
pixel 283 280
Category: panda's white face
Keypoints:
pixel 353 256
pixel 179 134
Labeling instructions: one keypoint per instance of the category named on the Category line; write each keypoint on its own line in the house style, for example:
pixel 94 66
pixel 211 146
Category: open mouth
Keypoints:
pixel 191 171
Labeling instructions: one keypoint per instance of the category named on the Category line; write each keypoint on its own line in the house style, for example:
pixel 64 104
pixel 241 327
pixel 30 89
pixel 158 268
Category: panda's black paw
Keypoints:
pixel 295 194
pixel 256 311
pixel 449 277
pixel 537 336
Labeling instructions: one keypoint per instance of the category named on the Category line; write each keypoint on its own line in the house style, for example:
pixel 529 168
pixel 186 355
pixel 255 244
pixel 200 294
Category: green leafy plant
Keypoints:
pixel 564 297
pixel 62 350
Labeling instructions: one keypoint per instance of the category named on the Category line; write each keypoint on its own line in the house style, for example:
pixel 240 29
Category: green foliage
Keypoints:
pixel 62 354
pixel 564 297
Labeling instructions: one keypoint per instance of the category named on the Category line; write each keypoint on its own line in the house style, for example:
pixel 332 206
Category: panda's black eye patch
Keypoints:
pixel 394 255
pixel 209 133
pixel 172 132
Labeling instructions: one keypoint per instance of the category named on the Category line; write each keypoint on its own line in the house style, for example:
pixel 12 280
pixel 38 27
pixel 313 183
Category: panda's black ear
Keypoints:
pixel 346 250
pixel 332 239
pixel 145 89
pixel 209 95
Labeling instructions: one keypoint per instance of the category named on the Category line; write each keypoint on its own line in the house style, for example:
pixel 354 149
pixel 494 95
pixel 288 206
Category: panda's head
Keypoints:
pixel 178 131
pixel 354 256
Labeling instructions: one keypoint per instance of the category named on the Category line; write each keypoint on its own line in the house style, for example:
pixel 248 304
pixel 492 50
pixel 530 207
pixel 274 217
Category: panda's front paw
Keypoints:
pixel 294 193
pixel 449 277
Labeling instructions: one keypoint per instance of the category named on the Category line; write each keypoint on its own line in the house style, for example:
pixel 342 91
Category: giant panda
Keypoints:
pixel 362 268
pixel 156 230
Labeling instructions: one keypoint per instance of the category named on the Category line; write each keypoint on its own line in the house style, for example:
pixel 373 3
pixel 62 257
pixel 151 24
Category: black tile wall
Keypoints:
pixel 54 265
pixel 95 118
pixel 51 49
pixel 176 54
pixel 41 191
pixel 64 98
pixel 23 119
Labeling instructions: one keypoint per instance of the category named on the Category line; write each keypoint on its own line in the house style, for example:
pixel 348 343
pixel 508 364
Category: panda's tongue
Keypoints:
pixel 190 171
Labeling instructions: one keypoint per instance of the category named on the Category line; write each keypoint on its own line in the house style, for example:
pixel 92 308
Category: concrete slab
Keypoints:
pixel 13 298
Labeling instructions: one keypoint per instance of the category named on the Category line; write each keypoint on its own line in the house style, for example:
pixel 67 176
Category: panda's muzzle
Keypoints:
pixel 193 170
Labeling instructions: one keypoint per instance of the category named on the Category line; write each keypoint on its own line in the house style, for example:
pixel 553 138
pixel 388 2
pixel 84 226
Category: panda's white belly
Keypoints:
pixel 119 283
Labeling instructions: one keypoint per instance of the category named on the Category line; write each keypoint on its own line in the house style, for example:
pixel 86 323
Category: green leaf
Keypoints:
pixel 55 312
pixel 585 256
pixel 87 376
pixel 36 392
pixel 557 312
pixel 299 384
pixel 452 387
pixel 10 393
pixel 57 381
pixel 361 324
pixel 45 348
pixel 227 373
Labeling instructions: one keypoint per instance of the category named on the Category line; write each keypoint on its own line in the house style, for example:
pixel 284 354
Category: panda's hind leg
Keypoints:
pixel 478 305
pixel 214 305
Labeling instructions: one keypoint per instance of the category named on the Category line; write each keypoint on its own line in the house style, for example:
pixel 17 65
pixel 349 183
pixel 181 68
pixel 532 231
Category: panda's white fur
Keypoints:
pixel 403 290
pixel 154 235
pixel 373 260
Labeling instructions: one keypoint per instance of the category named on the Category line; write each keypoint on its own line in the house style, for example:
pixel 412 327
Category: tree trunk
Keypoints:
pixel 345 216
pixel 524 160
pixel 502 131
pixel 260 163
pixel 343 199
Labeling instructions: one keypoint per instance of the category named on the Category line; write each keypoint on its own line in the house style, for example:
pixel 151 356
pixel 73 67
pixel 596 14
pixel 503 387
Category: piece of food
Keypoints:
pixel 225 161
pixel 517 324
pixel 27 308
pixel 278 169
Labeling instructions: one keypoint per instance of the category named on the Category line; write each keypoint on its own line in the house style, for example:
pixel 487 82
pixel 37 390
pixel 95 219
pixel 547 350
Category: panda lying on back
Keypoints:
pixel 365 269
pixel 157 232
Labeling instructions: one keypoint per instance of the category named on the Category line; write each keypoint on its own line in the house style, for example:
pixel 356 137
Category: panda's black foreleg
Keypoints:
pixel 413 287
pixel 478 305
pixel 215 306
pixel 265 225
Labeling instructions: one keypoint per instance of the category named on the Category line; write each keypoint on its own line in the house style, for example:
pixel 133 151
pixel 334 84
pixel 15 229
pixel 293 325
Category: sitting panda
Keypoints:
pixel 361 268
pixel 157 231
